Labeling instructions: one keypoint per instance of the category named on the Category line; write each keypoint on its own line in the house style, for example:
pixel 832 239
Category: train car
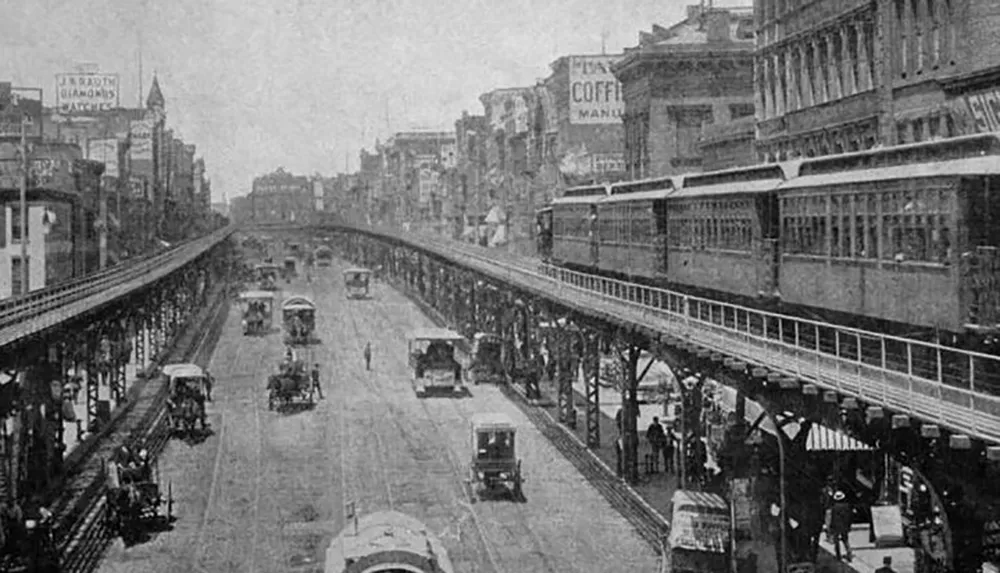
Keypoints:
pixel 722 231
pixel 386 542
pixel 905 234
pixel 574 231
pixel 631 224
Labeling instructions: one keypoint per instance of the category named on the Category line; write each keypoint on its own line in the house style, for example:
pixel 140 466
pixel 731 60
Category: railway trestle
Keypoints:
pixel 90 354
pixel 773 460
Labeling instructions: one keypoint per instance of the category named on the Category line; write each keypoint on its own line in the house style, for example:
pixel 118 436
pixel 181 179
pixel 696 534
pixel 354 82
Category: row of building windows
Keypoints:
pixel 718 224
pixel 572 222
pixel 859 138
pixel 925 34
pixel 830 64
pixel 630 223
pixel 895 224
pixel 636 128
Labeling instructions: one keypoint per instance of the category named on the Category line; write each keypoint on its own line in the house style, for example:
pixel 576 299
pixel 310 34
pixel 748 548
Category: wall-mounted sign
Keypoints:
pixel 595 95
pixel 86 93
pixel 141 133
pixel 17 105
pixel 105 151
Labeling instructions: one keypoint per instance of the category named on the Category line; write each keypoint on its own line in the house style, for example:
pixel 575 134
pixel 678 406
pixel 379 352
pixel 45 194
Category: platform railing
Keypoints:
pixel 32 304
pixel 956 388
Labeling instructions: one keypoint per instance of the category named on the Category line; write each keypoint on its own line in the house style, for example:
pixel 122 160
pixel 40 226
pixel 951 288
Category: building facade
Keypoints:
pixel 680 79
pixel 818 70
pixel 282 196
pixel 62 227
pixel 577 132
pixel 414 162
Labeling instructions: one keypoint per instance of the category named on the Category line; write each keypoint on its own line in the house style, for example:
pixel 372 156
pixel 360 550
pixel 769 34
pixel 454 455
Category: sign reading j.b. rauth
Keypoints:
pixel 86 93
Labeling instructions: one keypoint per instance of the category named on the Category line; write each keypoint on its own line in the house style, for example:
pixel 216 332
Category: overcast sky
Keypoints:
pixel 304 84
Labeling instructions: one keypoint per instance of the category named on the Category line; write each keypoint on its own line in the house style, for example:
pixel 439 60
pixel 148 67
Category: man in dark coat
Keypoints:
pixel 315 380
pixel 656 439
pixel 841 516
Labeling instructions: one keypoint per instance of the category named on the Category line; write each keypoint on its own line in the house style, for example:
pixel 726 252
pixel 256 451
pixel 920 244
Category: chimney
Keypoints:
pixel 717 26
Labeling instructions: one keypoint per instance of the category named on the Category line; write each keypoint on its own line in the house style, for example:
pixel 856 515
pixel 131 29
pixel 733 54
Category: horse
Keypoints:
pixel 126 508
pixel 188 412
pixel 284 387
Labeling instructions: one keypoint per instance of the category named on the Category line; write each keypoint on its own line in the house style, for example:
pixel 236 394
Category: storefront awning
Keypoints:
pixel 823 439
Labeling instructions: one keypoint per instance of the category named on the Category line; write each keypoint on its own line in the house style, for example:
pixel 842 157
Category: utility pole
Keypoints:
pixel 24 205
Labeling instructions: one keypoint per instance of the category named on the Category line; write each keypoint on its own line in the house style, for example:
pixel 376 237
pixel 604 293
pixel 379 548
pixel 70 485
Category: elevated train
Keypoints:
pixel 903 239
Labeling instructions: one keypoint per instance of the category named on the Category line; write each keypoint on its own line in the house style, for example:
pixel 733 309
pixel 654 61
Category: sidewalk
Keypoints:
pixel 658 488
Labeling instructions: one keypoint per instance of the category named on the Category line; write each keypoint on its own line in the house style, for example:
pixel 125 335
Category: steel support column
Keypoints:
pixel 628 354
pixel 591 380
pixel 567 367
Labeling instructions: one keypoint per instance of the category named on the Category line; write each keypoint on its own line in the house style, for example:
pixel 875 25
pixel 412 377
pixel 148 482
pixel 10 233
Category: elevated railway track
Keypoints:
pixel 937 384
pixel 34 312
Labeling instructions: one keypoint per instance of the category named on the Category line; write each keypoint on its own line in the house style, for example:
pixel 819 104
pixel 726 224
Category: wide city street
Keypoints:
pixel 267 490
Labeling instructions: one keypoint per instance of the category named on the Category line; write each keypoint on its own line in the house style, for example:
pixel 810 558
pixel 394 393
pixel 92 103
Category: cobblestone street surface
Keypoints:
pixel 266 491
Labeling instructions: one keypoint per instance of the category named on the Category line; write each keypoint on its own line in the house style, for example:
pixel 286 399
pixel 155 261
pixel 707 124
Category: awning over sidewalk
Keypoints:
pixel 823 439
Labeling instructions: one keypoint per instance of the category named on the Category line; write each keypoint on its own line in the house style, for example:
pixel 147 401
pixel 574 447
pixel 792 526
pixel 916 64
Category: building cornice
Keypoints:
pixel 972 80
pixel 639 60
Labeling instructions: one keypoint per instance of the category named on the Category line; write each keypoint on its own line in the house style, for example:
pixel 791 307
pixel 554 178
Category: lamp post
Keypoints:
pixel 24 205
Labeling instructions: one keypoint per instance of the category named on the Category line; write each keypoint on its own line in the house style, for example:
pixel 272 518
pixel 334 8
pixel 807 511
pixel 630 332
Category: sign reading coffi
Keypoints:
pixel 595 95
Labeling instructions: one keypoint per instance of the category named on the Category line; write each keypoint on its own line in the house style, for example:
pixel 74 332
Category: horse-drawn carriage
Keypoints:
pixel 27 544
pixel 432 357
pixel 494 458
pixel 267 275
pixel 292 382
pixel 357 282
pixel 487 359
pixel 258 311
pixel 299 315
pixel 188 387
pixel 133 493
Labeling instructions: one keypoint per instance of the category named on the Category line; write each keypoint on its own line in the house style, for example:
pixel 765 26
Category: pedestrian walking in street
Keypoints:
pixel 840 524
pixel 656 439
pixel 315 380
pixel 368 356
pixel 668 451
pixel 886 565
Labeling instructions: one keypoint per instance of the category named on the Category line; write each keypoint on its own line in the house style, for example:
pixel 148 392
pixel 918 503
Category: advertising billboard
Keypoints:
pixel 49 168
pixel 86 93
pixel 595 96
pixel 17 105
pixel 141 133
pixel 105 151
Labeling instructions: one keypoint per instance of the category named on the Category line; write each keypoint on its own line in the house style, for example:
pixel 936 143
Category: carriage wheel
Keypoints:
pixel 517 481
pixel 170 501
pixel 110 515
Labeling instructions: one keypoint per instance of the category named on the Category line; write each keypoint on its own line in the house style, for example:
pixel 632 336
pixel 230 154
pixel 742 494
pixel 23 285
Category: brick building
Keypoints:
pixel 941 59
pixel 818 70
pixel 577 126
pixel 282 196
pixel 469 196
pixel 413 164
pixel 678 79
pixel 63 207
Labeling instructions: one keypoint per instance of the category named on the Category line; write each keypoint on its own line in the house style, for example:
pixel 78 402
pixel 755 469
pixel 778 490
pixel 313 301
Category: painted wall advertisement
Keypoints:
pixel 595 96
pixel 51 169
pixel 105 151
pixel 509 110
pixel 85 93
pixel 141 133
pixel 17 105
